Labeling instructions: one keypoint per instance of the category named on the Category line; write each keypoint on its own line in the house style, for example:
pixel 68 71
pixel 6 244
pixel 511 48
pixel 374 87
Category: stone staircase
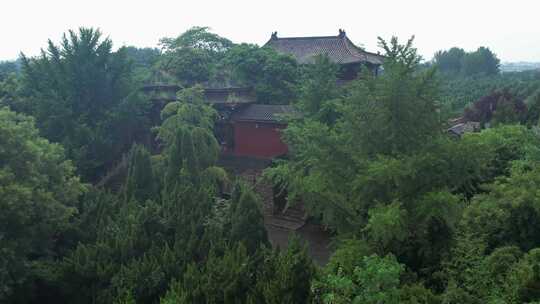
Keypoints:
pixel 115 178
pixel 291 218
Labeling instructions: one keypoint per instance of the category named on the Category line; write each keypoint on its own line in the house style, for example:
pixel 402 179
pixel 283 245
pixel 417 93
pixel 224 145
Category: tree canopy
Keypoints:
pixel 82 96
pixel 416 215
pixel 457 61
pixel 38 195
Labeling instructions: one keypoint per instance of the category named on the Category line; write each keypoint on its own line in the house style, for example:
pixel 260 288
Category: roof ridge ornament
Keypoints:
pixel 341 33
pixel 274 36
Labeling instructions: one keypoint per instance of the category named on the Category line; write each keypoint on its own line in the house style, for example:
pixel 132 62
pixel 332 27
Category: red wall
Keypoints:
pixel 261 140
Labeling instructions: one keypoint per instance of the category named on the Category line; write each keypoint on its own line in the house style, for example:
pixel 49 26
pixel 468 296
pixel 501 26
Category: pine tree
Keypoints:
pixel 140 183
pixel 246 219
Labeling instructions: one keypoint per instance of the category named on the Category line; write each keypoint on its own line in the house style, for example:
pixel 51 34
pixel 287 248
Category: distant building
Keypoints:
pixel 248 129
pixel 459 127
pixel 250 134
pixel 339 49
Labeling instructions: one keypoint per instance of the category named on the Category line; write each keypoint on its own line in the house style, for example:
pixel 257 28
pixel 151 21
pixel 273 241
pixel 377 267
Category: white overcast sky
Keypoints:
pixel 510 28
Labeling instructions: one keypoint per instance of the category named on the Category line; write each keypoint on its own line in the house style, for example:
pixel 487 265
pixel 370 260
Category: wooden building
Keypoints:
pixel 251 134
pixel 248 129
pixel 339 49
pixel 257 131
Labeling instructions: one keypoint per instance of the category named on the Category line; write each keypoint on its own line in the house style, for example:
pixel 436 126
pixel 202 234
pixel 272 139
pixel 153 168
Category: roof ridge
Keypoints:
pixel 361 49
pixel 307 37
pixel 345 41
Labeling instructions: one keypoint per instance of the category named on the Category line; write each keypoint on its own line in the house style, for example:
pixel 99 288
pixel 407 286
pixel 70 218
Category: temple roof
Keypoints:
pixel 464 127
pixel 262 113
pixel 338 48
pixel 224 95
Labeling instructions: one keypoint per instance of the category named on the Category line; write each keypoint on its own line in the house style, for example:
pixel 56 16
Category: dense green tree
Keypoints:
pixel 144 62
pixel 192 57
pixel 8 68
pixel 190 111
pixel 268 276
pixel 319 91
pixel 141 183
pixel 456 61
pixel 38 193
pixel 457 92
pixel 398 110
pixel 482 61
pixel 10 89
pixel 273 76
pixel 198 37
pixel 533 108
pixel 82 95
pixel 387 115
pixel 374 280
pixel 285 276
pixel 507 214
pixel 246 219
pixel 225 279
pixel 450 61
pixel 417 216
pixel 143 57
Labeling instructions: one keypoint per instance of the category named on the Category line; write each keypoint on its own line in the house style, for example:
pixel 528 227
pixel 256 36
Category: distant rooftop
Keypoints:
pixel 212 95
pixel 338 48
pixel 263 113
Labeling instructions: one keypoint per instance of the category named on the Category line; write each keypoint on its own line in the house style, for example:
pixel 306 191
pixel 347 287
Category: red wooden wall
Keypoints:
pixel 255 139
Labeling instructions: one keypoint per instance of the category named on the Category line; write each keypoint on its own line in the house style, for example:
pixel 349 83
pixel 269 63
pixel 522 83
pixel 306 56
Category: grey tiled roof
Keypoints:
pixel 339 49
pixel 212 95
pixel 229 95
pixel 262 113
pixel 462 128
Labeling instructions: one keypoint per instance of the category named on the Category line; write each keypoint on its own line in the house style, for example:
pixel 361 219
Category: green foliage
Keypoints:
pixel 348 255
pixel 286 276
pixel 457 92
pixel 189 111
pixel 38 192
pixel 508 213
pixel 220 280
pixel 386 225
pixel 384 115
pixel 82 95
pixel 247 225
pixel 140 183
pixel 319 91
pixel 10 89
pixel 502 146
pixel 375 280
pixel 236 277
pixel 418 217
pixel 198 37
pixel 418 294
pixel 450 61
pixel 456 60
pixel 144 61
pixel 533 108
pixel 8 68
pixel 394 113
pixel 191 57
pixel 482 61
pixel 273 76
pixel 504 276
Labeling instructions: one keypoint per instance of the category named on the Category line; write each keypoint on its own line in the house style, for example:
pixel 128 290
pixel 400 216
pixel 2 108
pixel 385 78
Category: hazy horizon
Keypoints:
pixel 509 30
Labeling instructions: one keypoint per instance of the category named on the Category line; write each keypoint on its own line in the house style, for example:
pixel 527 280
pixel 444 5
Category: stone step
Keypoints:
pixel 284 222
pixel 293 212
